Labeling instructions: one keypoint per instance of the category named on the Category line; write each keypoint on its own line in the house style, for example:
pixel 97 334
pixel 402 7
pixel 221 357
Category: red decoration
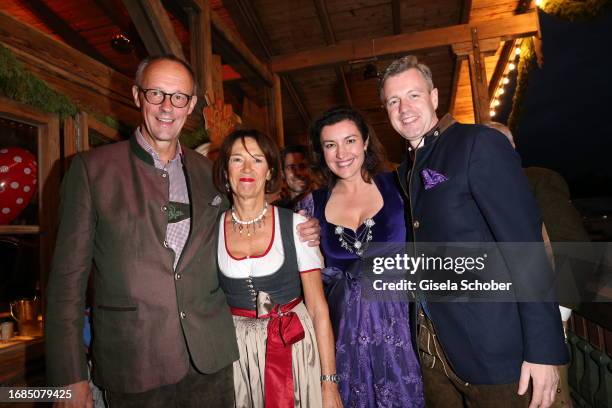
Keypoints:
pixel 18 170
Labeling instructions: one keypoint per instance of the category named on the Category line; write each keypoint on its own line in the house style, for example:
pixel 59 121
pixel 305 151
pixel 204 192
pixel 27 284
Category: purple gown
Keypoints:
pixel 374 355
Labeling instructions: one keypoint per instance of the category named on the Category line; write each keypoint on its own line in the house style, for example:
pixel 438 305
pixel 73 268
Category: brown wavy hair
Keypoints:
pixel 267 146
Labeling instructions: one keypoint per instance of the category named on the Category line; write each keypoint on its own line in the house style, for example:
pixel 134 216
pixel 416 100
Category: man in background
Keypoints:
pixel 297 175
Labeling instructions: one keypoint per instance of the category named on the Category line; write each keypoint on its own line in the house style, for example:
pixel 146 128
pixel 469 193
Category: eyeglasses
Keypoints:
pixel 157 97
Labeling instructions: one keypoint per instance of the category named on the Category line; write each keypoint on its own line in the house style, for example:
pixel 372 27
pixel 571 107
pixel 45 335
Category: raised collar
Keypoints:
pixel 444 123
pixel 145 152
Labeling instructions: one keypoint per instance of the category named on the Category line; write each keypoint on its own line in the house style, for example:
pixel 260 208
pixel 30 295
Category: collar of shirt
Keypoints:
pixel 149 149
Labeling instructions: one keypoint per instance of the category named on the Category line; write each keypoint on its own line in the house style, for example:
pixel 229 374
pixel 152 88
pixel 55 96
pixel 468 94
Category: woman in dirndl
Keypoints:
pixel 273 285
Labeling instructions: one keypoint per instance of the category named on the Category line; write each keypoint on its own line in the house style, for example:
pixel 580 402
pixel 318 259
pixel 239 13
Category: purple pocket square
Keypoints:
pixel 432 178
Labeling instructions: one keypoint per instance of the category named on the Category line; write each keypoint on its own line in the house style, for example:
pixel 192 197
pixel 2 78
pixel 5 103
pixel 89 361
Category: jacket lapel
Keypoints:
pixel 201 194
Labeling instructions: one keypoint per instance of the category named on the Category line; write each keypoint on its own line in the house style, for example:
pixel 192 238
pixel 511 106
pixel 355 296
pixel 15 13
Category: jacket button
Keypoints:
pixel 177 276
pixel 183 315
pixel 416 224
pixel 164 208
pixel 166 245
pixel 164 174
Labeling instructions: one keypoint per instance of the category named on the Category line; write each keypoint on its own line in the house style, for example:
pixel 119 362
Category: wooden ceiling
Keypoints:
pixel 273 29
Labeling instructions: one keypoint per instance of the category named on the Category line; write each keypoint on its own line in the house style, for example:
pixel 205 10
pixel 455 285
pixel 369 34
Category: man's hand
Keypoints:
pixel 309 230
pixel 545 382
pixel 81 396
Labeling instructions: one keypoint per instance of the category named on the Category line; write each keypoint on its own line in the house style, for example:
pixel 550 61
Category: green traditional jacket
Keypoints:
pixel 149 320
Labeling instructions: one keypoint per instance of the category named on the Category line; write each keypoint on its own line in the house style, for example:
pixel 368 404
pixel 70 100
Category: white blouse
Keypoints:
pixel 308 258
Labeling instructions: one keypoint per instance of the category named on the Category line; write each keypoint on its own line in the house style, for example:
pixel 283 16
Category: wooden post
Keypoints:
pixel 154 27
pixel 478 79
pixel 201 49
pixel 276 106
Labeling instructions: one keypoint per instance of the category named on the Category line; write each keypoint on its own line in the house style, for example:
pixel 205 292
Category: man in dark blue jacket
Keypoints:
pixel 464 183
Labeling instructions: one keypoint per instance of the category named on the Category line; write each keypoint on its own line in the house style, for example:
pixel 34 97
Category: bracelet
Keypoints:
pixel 331 377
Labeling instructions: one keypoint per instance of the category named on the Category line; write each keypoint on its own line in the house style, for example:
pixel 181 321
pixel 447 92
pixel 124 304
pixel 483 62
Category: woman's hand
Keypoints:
pixel 331 396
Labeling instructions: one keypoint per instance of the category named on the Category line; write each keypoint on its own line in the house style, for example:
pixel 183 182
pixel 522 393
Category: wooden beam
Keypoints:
pixel 110 9
pixel 396 14
pixel 201 49
pixel 478 80
pixel 250 17
pixel 506 28
pixel 63 29
pixel 277 110
pixel 463 19
pixel 227 35
pixel 248 14
pixel 330 39
pixel 154 27
pixel 293 95
pixel 504 55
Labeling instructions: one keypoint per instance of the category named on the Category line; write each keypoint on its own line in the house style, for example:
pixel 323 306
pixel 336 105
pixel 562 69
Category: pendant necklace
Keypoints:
pixel 250 225
pixel 358 243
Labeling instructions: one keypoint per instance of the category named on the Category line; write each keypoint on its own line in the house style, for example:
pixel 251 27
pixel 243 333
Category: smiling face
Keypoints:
pixel 343 149
pixel 163 123
pixel 247 169
pixel 410 104
pixel 296 172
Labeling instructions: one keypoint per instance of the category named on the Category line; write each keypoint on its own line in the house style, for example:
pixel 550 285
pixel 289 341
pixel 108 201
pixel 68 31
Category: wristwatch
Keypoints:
pixel 335 378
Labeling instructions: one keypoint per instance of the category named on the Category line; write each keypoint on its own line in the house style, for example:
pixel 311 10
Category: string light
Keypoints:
pixel 511 66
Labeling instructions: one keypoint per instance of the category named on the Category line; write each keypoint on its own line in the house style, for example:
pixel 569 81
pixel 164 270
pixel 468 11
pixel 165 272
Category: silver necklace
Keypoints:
pixel 256 222
pixel 358 243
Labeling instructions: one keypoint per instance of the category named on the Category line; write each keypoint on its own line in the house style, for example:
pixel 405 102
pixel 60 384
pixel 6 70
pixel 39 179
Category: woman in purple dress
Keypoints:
pixel 375 359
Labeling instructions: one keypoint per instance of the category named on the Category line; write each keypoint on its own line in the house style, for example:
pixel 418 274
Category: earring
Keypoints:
pixel 227 187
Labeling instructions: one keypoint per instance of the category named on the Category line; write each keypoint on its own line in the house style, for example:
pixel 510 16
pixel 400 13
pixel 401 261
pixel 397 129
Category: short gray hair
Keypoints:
pixel 142 67
pixel 401 65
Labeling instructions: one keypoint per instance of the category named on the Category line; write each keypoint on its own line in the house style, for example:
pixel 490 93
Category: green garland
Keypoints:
pixel 194 138
pixel 573 10
pixel 527 62
pixel 570 10
pixel 22 86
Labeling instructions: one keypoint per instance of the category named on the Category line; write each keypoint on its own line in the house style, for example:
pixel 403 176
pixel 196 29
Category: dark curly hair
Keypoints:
pixel 267 146
pixel 374 154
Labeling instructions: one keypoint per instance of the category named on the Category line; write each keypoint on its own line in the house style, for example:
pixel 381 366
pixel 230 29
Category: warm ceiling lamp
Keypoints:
pixel 122 44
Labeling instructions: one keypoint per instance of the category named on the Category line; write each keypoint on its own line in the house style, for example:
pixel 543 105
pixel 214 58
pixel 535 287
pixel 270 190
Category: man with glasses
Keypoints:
pixel 297 176
pixel 144 212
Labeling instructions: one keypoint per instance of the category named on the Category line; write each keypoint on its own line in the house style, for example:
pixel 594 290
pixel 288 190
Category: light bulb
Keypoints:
pixel 511 66
pixel 517 50
pixel 492 113
pixel 500 91
pixel 505 81
pixel 496 102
